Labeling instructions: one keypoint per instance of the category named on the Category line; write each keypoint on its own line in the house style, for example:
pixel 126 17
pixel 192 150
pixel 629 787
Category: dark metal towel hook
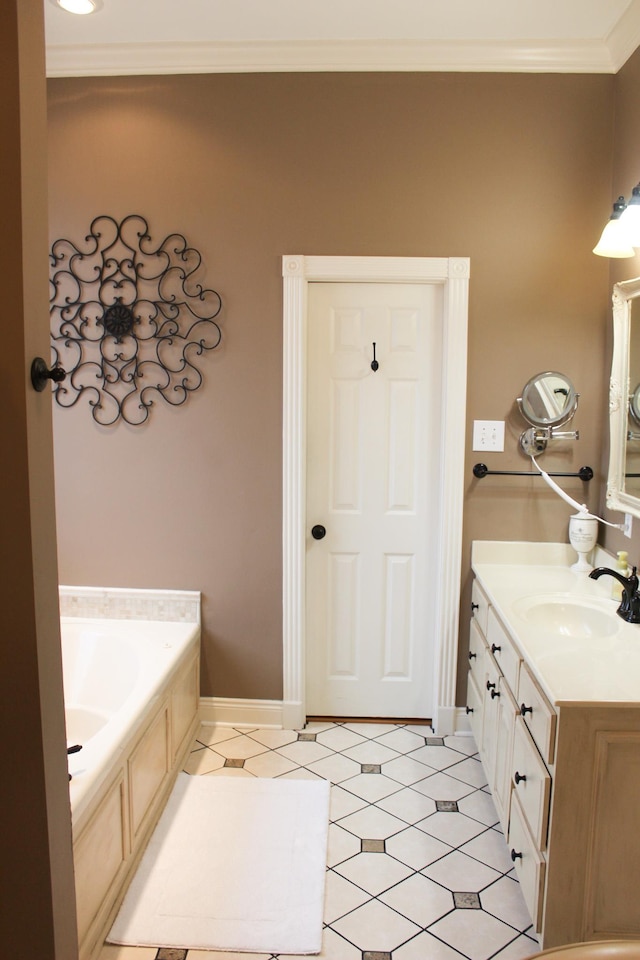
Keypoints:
pixel 374 362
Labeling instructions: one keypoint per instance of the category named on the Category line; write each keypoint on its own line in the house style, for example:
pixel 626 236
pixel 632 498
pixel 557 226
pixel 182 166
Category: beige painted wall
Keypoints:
pixel 513 171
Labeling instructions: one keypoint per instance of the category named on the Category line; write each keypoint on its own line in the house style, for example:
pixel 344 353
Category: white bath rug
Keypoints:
pixel 234 864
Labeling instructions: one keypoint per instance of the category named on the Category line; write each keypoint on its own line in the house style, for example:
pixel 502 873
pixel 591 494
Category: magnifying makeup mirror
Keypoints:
pixel 548 401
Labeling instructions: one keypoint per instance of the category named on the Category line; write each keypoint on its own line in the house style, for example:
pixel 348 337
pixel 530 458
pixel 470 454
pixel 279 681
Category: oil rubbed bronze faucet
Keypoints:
pixel 629 609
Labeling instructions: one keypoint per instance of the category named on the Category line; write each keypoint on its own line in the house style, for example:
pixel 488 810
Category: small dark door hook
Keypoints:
pixel 374 362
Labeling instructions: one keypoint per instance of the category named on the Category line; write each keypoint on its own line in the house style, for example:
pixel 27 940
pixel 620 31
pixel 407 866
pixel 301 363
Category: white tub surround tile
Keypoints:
pixel 119 603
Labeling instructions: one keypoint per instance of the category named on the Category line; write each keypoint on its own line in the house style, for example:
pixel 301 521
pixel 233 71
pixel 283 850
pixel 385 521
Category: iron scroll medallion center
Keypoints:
pixel 118 320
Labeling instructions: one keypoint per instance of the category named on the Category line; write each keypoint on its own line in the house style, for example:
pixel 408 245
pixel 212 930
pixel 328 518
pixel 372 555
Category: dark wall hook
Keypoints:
pixel 374 362
pixel 40 374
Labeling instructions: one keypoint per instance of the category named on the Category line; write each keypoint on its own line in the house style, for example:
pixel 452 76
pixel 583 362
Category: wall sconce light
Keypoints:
pixel 615 240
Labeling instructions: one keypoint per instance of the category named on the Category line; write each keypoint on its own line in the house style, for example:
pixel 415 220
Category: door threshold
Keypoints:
pixel 414 721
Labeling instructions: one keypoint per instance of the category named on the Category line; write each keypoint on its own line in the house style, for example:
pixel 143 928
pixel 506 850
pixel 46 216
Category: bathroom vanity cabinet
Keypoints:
pixel 559 737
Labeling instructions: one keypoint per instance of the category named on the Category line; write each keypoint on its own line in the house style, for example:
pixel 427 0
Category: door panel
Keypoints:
pixel 373 482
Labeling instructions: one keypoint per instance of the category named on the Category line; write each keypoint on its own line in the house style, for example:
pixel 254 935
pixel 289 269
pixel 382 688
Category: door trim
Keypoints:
pixel 452 273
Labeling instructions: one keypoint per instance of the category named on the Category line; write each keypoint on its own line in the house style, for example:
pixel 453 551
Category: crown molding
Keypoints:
pixel 624 39
pixel 72 60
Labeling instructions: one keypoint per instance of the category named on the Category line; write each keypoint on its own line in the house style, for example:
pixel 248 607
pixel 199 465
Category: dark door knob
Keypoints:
pixel 318 532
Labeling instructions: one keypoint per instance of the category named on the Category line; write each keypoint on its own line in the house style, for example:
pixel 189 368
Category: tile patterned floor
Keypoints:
pixel 418 868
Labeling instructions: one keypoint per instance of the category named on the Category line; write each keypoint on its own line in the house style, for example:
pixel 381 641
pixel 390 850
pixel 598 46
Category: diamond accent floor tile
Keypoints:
pixel 394 862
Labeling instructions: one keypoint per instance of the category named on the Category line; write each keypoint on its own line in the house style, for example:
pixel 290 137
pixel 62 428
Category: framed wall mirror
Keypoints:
pixel 623 485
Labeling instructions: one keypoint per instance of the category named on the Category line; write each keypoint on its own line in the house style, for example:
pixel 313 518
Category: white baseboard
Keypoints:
pixel 241 713
pixel 289 715
pixel 462 722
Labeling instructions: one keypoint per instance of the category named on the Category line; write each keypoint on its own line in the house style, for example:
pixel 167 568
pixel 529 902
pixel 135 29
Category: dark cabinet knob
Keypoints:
pixel 490 686
pixel 515 856
pixel 472 655
pixel 494 694
pixel 469 710
pixel 495 648
pixel 318 532
pixel 474 606
pixel 519 778
pixel 525 710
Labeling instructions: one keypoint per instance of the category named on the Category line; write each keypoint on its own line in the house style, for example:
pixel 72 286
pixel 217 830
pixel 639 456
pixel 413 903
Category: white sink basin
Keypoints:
pixel 570 616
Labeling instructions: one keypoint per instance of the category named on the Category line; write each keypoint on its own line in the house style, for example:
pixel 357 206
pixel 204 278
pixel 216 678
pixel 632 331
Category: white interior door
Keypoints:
pixel 373 475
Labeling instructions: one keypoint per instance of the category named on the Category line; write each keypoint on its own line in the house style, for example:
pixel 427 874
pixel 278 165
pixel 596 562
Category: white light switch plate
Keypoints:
pixel 488 435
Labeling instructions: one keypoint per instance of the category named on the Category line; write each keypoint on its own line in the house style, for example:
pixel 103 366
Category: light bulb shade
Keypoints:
pixel 614 241
pixel 631 217
pixel 78 6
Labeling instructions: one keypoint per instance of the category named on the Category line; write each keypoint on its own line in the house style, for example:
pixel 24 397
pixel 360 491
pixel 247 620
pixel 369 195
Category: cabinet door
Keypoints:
pixel 507 711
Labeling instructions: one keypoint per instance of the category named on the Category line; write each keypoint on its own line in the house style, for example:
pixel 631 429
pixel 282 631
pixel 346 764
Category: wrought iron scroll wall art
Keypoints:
pixel 128 319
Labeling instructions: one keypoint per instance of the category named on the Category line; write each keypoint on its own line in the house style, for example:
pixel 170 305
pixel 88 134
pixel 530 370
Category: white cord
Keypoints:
pixel 580 507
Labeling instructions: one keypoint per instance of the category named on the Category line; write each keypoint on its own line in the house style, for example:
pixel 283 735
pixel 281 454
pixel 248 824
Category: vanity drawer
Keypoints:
pixel 479 606
pixel 531 783
pixel 538 714
pixel 529 863
pixel 477 648
pixel 502 647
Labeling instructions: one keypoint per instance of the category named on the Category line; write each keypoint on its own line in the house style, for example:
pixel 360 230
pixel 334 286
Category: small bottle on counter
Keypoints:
pixel 622 567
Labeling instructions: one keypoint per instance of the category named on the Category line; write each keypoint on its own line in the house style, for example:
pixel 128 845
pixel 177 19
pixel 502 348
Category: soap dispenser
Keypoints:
pixel 622 567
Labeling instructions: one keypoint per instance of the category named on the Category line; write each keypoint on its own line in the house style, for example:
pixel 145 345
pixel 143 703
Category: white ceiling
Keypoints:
pixel 204 36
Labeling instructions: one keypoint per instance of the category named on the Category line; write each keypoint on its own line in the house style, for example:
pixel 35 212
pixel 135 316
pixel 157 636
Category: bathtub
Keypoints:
pixel 131 691
pixel 114 672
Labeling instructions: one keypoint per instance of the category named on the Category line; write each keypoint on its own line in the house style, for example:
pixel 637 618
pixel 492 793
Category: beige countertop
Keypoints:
pixel 571 669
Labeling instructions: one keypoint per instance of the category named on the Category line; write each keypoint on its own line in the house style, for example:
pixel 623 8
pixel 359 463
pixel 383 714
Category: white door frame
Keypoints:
pixel 452 273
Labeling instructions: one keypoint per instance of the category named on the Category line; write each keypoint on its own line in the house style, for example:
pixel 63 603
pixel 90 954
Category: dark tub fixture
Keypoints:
pixel 128 320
